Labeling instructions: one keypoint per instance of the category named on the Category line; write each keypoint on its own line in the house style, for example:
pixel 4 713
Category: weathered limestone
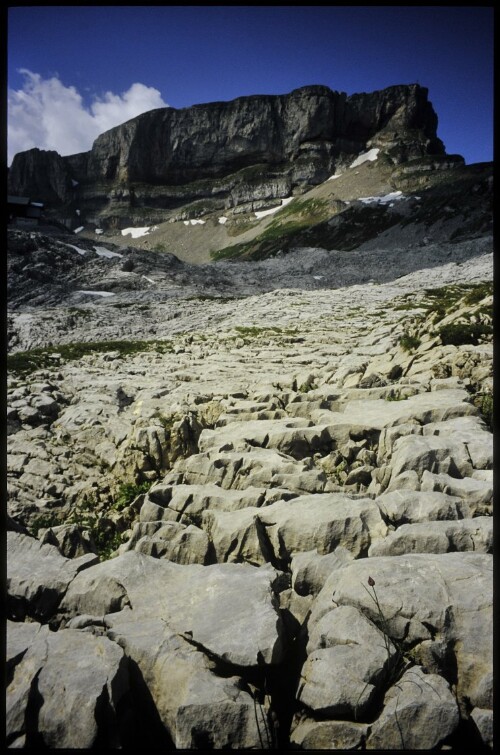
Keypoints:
pixel 424 597
pixel 328 735
pixel 462 535
pixel 38 576
pixel 276 532
pixel 76 682
pixel 289 465
pixel 347 654
pixel 419 713
pixel 412 506
pixel 157 589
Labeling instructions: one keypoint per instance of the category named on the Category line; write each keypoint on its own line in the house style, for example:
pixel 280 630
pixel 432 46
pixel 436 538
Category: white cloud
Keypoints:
pixel 49 115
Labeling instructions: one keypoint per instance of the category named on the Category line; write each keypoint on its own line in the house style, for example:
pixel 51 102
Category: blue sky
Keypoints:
pixel 75 71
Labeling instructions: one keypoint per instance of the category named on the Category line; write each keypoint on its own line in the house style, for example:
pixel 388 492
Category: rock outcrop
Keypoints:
pixel 225 154
pixel 297 499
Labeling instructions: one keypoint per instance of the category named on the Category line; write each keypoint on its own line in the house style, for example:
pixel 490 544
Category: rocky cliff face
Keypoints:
pixel 249 148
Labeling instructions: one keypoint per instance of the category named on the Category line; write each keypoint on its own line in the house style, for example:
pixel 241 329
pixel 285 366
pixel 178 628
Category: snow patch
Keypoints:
pixel 99 230
pixel 318 277
pixel 96 293
pixel 80 228
pixel 369 156
pixel 335 175
pixel 137 232
pixel 222 220
pixel 77 249
pixel 194 221
pixel 102 252
pixel 78 212
pixel 263 213
pixel 74 183
pixel 386 199
pixel 148 279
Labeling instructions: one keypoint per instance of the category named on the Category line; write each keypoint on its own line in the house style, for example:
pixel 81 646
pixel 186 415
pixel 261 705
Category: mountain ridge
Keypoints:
pixel 167 158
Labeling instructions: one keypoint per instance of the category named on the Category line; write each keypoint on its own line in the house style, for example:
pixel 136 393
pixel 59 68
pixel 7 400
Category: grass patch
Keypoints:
pixel 478 292
pixel 393 396
pixel 128 492
pixel 484 402
pixel 26 362
pixel 409 342
pixel 254 331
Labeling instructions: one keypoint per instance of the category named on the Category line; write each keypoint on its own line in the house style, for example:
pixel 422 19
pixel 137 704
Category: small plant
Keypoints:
pixel 337 473
pixel 484 402
pixel 128 492
pixel 478 292
pixel 306 387
pixel 397 663
pixel 393 396
pixel 44 521
pixel 409 342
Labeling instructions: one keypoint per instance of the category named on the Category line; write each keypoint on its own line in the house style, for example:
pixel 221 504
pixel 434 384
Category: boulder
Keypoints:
pixel 476 492
pixel 412 506
pixel 308 734
pixel 276 532
pixel 258 467
pixel 438 537
pixel 347 658
pixel 180 626
pixel 419 713
pixel 311 569
pixel 38 576
pixel 423 597
pixel 227 604
pixel 430 453
pixel 65 689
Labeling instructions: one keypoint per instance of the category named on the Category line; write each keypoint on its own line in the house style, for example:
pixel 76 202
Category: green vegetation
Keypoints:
pixel 88 515
pixel 44 521
pixel 313 222
pixel 255 331
pixel 339 471
pixel 128 305
pixel 297 216
pixel 84 314
pixel 393 396
pixel 409 342
pixel 128 492
pixel 307 387
pixel 484 402
pixel 404 307
pixel 445 299
pixel 209 297
pixel 26 362
pixel 478 292
pixel 252 331
pixel 460 333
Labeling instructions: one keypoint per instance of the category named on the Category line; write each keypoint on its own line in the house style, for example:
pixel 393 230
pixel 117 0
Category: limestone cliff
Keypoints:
pixel 228 153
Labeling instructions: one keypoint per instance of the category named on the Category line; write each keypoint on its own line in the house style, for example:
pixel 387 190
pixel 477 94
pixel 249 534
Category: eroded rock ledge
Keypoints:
pixel 309 561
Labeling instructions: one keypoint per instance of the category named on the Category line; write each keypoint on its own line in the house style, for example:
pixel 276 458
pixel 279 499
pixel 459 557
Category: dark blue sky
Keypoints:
pixel 194 54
